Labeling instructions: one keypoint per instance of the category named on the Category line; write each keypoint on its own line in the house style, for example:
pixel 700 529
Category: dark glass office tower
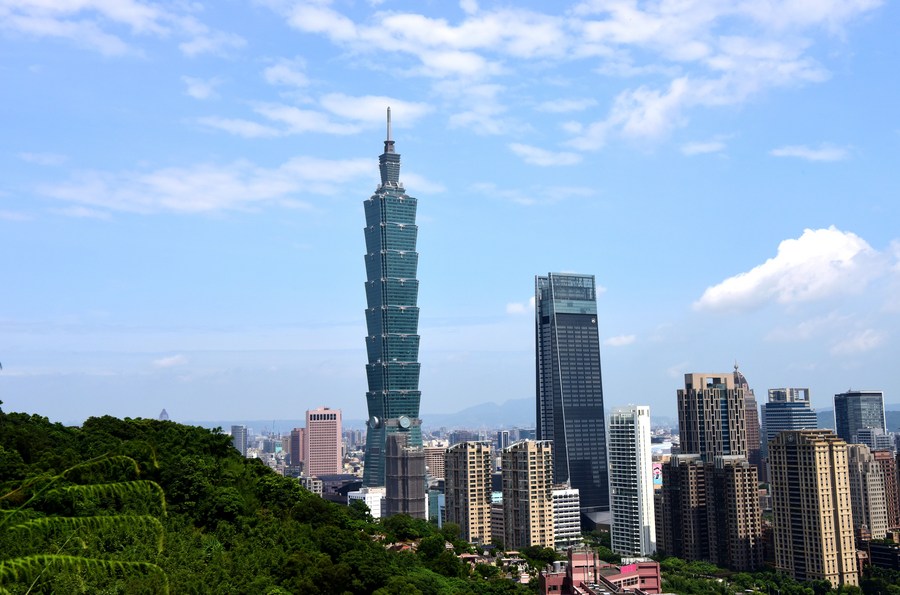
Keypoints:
pixel 569 386
pixel 392 316
pixel 855 410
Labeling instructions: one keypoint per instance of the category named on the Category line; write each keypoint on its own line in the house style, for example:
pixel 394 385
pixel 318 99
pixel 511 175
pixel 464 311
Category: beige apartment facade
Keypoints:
pixel 813 518
pixel 528 494
pixel 467 489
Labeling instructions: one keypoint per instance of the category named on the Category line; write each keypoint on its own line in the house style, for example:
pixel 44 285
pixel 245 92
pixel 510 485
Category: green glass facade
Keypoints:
pixel 392 316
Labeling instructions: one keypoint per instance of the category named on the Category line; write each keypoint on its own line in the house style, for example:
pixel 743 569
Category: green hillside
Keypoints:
pixel 146 506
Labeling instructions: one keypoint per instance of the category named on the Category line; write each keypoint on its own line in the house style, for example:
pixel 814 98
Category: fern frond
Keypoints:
pixel 27 568
pixel 47 525
pixel 122 490
pixel 105 463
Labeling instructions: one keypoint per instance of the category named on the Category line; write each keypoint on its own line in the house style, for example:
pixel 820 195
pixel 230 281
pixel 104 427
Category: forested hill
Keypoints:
pixel 138 505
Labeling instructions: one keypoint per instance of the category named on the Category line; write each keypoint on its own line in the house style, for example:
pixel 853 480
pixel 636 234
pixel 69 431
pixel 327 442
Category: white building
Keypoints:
pixel 633 528
pixel 373 497
pixel 566 517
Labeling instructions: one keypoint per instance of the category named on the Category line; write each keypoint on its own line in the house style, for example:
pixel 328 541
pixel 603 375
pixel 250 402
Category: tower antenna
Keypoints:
pixel 389 124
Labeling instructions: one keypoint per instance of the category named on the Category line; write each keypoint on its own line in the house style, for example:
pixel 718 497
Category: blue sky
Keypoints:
pixel 181 200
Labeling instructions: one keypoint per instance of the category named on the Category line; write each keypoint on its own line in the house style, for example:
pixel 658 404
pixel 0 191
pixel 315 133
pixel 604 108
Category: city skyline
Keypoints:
pixel 180 207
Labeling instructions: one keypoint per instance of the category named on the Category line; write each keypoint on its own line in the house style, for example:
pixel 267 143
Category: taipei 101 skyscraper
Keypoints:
pixel 392 315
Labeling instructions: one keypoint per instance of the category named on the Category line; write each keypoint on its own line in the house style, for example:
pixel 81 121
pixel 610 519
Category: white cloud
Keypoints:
pixel 170 361
pixel 543 157
pixel 561 106
pixel 858 342
pixel 89 23
pixel 299 121
pixel 521 307
pixel 620 340
pixel 372 109
pixel 239 127
pixel 79 212
pixel 702 147
pixel 539 195
pixel 692 44
pixel 806 329
pixel 819 264
pixel 208 187
pixel 415 184
pixel 201 88
pixel 14 216
pixel 822 153
pixel 49 159
pixel 287 72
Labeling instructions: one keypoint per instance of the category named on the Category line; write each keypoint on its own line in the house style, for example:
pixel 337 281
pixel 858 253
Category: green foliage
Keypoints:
pixel 98 521
pixel 89 508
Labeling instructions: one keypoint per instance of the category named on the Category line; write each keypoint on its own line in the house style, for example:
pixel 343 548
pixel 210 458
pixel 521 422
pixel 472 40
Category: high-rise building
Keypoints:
pixel 467 488
pixel 813 518
pixel 889 471
pixel 435 461
pixel 709 493
pixel 163 415
pixel 787 409
pixel 751 417
pixel 502 439
pixel 633 528
pixel 566 517
pixel 683 528
pixel 569 386
pixel 867 493
pixel 528 494
pixel 711 419
pixel 322 442
pixel 404 478
pixel 858 409
pixel 298 445
pixel 392 315
pixel 239 438
pixel 734 520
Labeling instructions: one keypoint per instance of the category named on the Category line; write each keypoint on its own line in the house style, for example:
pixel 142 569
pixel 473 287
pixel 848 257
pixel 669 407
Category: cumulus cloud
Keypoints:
pixel 240 127
pixel 822 153
pixel 819 264
pixel 620 340
pixel 207 187
pixel 543 157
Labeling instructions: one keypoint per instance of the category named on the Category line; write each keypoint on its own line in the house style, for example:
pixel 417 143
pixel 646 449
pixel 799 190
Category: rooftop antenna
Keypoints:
pixel 389 124
pixel 389 144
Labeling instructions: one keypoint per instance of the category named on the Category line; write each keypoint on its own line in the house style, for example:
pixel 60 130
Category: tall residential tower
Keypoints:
pixel 392 315
pixel 633 529
pixel 569 386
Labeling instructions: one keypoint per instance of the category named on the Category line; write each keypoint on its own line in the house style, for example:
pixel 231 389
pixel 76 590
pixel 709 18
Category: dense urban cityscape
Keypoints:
pixel 739 484
pixel 649 347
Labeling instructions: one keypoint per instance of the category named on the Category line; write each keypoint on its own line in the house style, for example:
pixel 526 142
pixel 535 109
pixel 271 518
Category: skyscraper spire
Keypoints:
pixel 389 161
pixel 389 144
